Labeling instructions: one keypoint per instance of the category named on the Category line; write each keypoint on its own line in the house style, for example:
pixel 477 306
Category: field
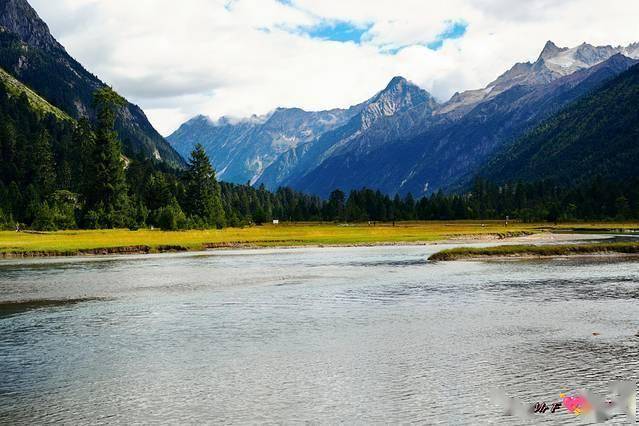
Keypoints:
pixel 150 241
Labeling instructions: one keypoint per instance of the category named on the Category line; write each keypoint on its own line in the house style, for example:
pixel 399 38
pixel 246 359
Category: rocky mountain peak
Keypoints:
pixel 18 17
pixel 399 95
pixel 631 51
pixel 550 50
pixel 565 61
pixel 554 62
pixel 397 82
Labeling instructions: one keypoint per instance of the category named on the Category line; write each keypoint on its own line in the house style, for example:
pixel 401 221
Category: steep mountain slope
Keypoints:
pixel 553 63
pixel 454 145
pixel 274 148
pixel 242 149
pixel 596 136
pixel 37 102
pixel 401 140
pixel 387 116
pixel 30 53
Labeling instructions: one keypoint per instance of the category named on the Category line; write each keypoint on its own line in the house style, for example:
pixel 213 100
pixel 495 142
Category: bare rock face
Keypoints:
pixel 399 95
pixel 18 17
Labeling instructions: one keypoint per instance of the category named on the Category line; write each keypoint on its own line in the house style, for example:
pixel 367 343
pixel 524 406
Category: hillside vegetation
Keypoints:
pixel 37 102
pixel 522 251
pixel 596 136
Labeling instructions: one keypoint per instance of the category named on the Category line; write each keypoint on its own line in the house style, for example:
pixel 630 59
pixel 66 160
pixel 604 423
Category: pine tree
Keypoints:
pixel 202 198
pixel 83 155
pixel 335 207
pixel 109 193
pixel 42 164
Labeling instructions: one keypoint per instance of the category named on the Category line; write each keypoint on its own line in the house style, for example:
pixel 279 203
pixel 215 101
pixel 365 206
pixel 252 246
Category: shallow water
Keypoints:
pixel 355 335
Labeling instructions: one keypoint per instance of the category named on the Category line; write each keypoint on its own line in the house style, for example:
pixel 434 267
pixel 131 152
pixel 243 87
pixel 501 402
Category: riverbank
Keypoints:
pixel 124 242
pixel 537 251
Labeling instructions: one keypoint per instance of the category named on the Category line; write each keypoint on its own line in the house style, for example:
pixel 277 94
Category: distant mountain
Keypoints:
pixel 445 150
pixel 242 149
pixel 402 140
pixel 385 117
pixel 30 53
pixel 553 63
pixel 596 136
pixel 267 149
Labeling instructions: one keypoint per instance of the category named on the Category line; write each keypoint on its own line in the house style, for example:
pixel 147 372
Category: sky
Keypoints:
pixel 236 58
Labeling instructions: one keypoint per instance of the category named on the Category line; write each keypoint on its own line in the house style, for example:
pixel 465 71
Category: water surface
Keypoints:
pixel 357 335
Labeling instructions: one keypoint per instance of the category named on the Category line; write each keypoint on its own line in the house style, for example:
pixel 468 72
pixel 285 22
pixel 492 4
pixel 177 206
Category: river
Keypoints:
pixel 354 335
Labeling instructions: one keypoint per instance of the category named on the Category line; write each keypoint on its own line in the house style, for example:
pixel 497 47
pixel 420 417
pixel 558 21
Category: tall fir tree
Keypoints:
pixel 83 154
pixel 43 165
pixel 108 197
pixel 202 197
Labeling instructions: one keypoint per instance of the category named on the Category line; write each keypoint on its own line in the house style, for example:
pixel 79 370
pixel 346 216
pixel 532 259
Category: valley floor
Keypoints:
pixel 102 242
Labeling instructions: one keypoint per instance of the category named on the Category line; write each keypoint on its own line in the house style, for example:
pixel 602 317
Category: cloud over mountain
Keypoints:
pixel 243 57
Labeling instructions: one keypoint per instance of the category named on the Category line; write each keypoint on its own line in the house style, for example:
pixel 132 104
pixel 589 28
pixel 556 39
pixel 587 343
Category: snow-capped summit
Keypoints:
pixel 554 62
pixel 550 50
pixel 567 61
pixel 631 51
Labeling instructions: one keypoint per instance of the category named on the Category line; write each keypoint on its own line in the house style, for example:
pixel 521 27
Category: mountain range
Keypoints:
pixel 30 54
pixel 402 140
pixel 597 136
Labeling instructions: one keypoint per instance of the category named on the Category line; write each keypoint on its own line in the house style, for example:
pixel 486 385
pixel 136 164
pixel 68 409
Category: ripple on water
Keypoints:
pixel 342 335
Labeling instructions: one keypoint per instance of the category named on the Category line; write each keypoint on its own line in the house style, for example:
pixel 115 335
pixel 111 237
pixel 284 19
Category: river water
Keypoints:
pixel 352 335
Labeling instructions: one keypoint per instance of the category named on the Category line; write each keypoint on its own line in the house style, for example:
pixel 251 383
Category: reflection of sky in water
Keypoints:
pixel 367 334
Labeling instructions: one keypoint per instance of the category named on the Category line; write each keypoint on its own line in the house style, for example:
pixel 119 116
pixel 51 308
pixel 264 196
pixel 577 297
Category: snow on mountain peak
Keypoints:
pixel 566 61
pixel 554 62
pixel 550 50
pixel 631 51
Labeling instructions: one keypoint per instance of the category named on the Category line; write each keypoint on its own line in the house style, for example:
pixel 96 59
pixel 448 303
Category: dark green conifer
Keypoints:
pixel 202 198
pixel 109 195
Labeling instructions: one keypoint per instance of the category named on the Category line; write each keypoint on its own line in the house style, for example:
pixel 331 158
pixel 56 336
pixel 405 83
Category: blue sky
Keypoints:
pixel 337 31
pixel 454 31
pixel 344 32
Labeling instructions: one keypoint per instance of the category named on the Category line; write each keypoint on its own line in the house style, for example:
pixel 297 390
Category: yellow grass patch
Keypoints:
pixel 70 242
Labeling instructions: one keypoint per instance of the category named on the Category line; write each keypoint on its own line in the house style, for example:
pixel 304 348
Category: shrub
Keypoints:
pixel 171 218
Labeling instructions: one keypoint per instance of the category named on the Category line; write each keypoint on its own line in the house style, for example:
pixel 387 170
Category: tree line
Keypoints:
pixel 57 174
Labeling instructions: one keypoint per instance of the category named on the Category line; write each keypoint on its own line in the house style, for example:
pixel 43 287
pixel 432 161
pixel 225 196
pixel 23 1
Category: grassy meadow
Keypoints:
pixel 536 251
pixel 149 241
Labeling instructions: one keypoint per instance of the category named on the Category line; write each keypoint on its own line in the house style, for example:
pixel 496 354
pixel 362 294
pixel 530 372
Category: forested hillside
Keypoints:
pixel 596 136
pixel 56 173
pixel 30 53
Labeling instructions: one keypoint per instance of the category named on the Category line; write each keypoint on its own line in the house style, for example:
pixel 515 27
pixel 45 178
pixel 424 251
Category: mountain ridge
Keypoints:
pixel 415 144
pixel 284 130
pixel 31 54
pixel 595 136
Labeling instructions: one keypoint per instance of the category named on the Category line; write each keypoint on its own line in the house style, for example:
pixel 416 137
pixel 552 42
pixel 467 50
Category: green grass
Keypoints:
pixel 83 242
pixel 536 251
pixel 37 102
pixel 285 235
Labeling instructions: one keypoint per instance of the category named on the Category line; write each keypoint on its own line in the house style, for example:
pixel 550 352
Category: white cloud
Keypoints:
pixel 234 57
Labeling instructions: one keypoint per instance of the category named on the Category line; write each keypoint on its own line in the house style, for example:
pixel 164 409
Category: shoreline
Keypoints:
pixel 516 257
pixel 64 245
pixel 257 245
